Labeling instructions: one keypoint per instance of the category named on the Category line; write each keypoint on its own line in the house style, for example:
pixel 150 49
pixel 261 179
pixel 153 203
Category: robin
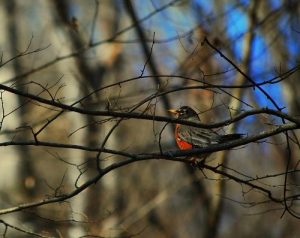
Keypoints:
pixel 189 137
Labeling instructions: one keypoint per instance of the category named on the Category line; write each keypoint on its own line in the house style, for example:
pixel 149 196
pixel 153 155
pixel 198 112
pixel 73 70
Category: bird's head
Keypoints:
pixel 184 112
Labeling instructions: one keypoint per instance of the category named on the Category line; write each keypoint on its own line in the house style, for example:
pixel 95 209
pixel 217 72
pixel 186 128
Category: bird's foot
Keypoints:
pixel 199 164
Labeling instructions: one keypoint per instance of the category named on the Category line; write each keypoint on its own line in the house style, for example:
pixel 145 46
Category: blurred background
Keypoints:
pixel 125 54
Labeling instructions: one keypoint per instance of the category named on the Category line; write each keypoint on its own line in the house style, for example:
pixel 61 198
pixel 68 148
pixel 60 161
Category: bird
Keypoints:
pixel 189 137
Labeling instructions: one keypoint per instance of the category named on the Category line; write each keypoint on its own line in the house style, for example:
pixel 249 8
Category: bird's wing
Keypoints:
pixel 197 136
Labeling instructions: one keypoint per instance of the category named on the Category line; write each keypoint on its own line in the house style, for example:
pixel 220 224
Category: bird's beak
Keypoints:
pixel 173 111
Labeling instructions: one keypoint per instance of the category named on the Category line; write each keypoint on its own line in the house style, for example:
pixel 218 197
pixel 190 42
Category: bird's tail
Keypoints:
pixel 230 137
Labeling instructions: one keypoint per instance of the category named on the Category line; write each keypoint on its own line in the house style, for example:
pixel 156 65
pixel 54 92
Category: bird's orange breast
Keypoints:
pixel 183 145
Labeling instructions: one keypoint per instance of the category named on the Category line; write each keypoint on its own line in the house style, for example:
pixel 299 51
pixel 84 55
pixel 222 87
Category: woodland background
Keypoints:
pixel 84 149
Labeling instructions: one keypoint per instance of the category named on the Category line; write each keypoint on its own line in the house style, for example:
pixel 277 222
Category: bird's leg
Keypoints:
pixel 193 161
pixel 199 164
